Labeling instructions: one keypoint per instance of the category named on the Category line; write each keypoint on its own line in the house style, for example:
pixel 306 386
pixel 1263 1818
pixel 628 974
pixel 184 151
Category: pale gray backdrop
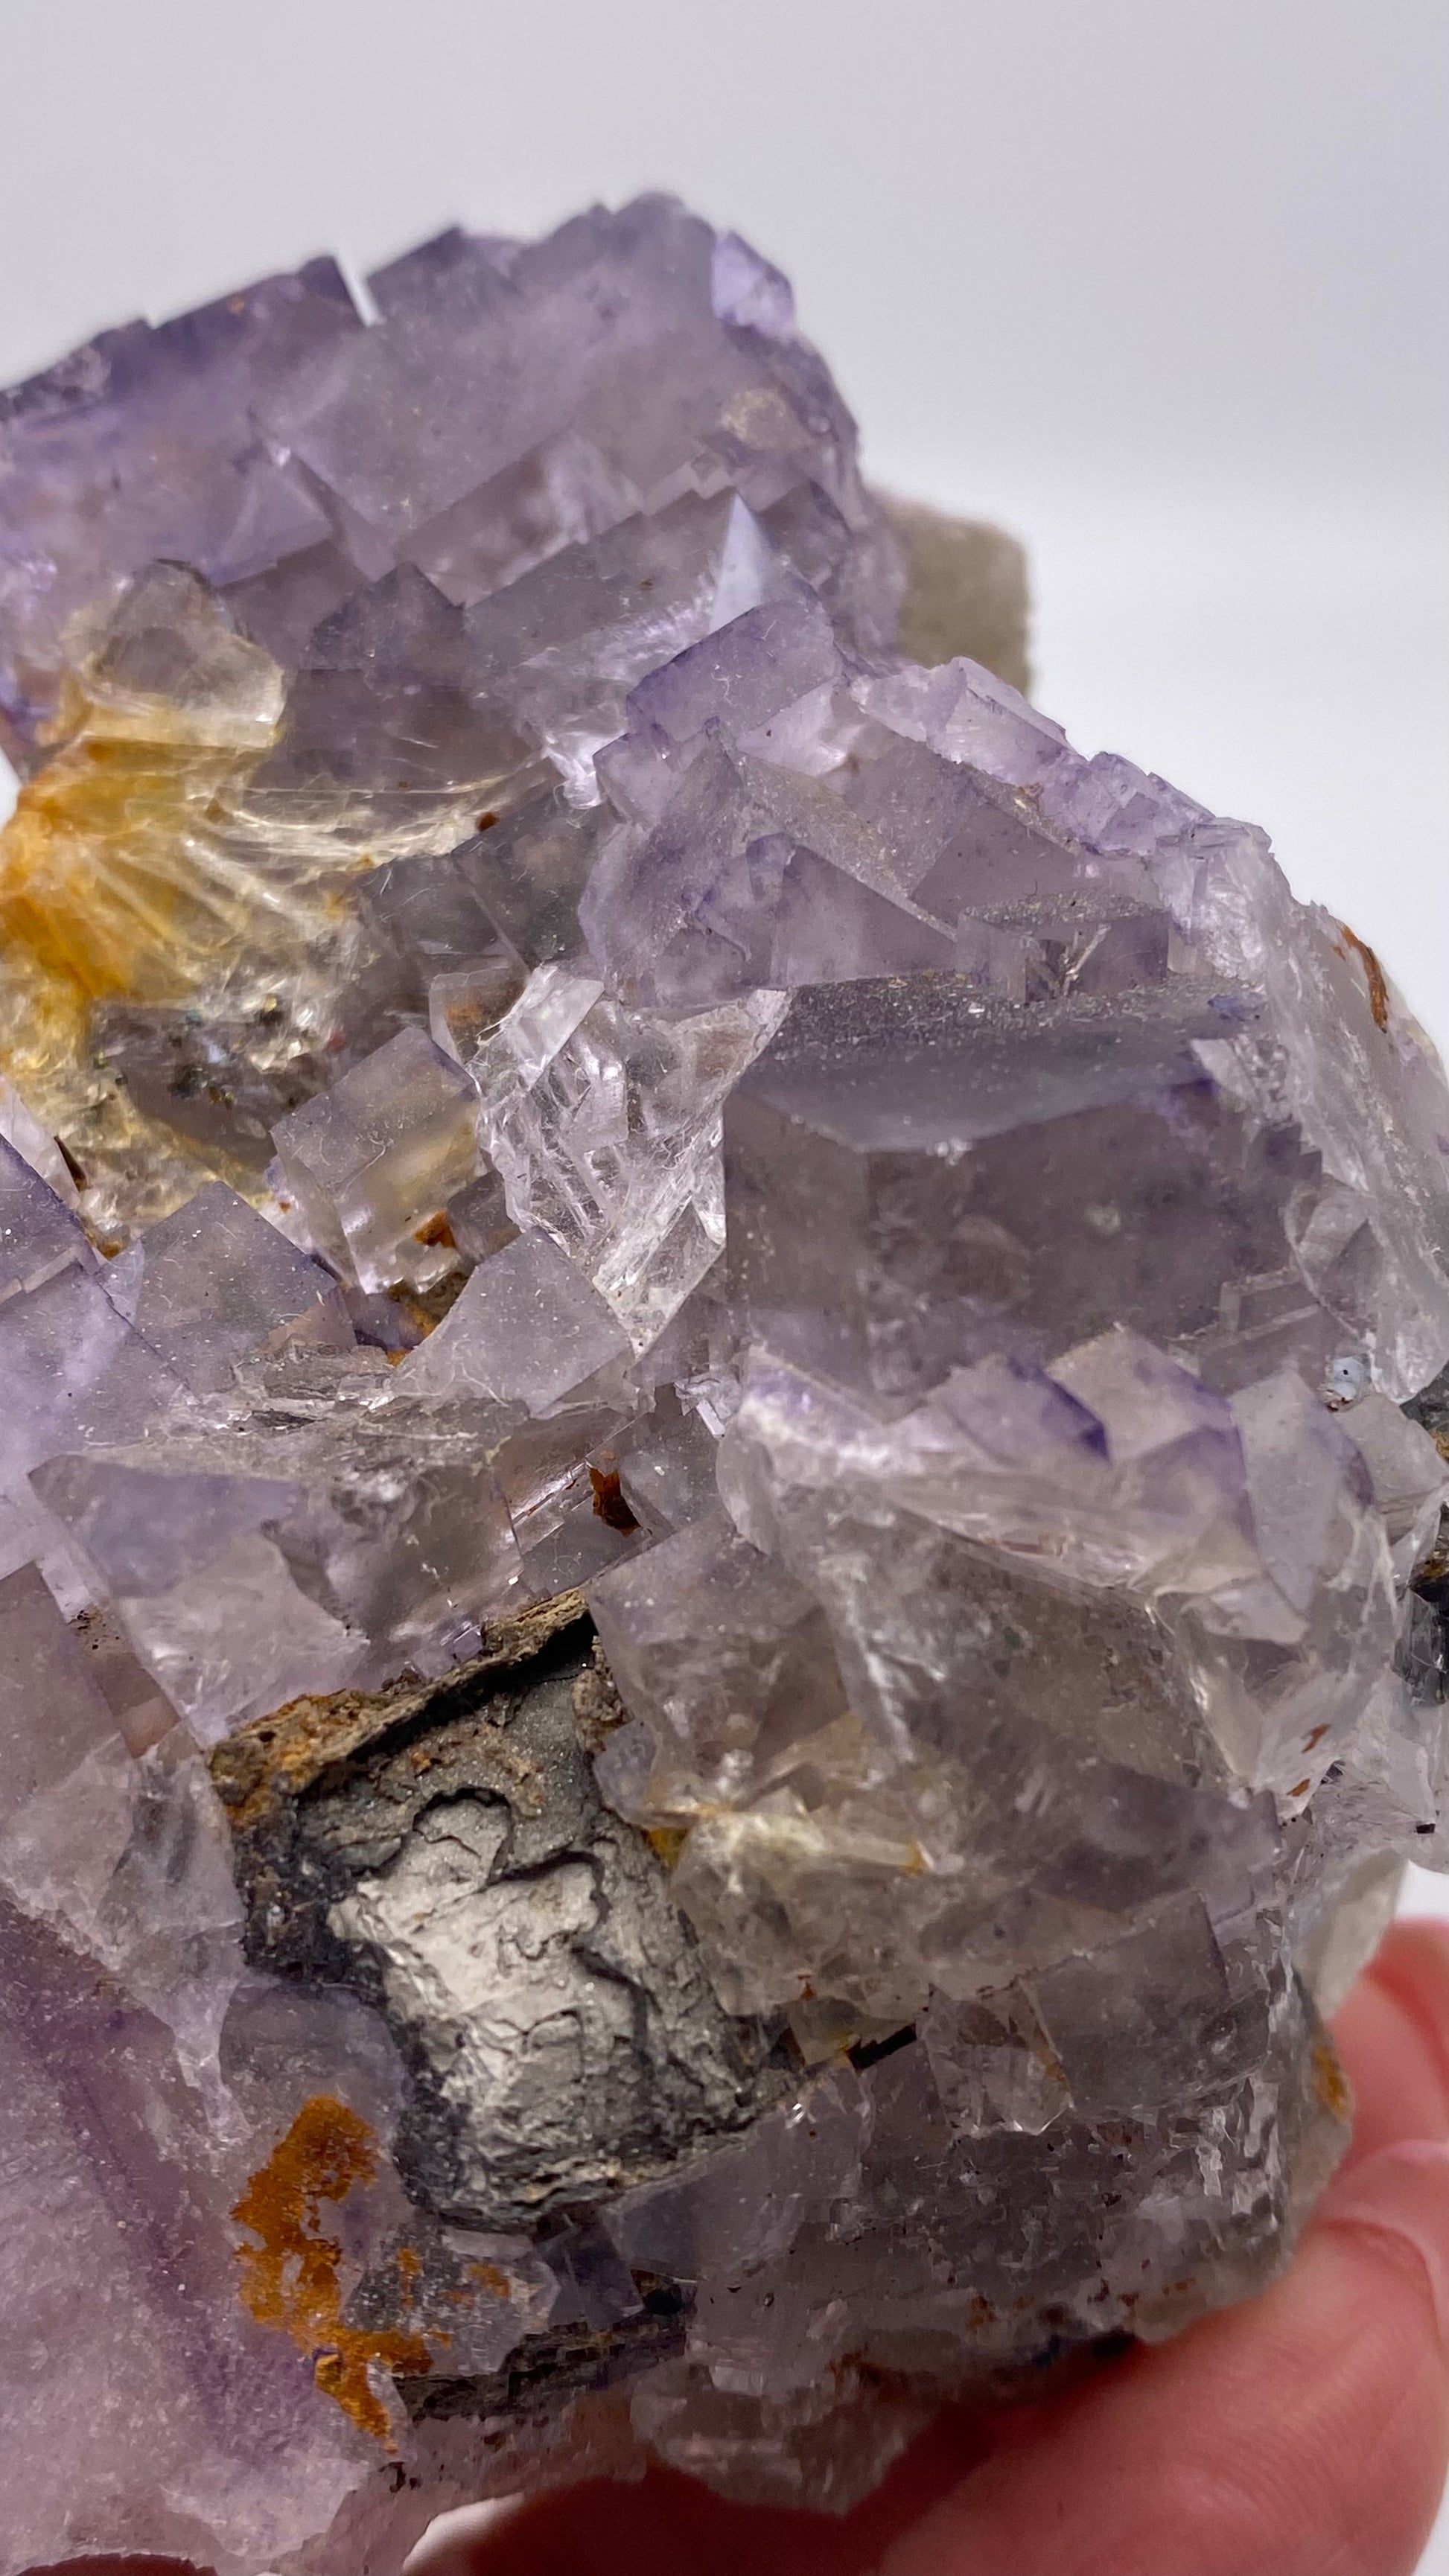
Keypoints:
pixel 1159 283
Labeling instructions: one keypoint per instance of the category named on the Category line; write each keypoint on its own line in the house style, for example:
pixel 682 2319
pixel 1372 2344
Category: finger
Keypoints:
pixel 1393 2036
pixel 111 2566
pixel 665 2524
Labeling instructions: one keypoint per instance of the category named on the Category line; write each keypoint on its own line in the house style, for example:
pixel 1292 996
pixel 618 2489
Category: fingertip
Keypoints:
pixel 1416 1945
pixel 1400 2197
pixel 454 2542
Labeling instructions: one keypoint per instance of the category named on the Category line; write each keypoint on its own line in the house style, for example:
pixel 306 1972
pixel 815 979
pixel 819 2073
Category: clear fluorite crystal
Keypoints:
pixel 721 1488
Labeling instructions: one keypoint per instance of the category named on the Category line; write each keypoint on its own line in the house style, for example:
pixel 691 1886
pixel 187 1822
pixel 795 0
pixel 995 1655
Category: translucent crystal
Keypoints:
pixel 667 1477
pixel 478 1217
pixel 920 1179
pixel 39 1236
pixel 722 1492
pixel 465 1007
pixel 605 1124
pixel 725 1654
pixel 302 1546
pixel 84 502
pixel 79 1375
pixel 22 1130
pixel 214 1282
pixel 64 1761
pixel 527 1329
pixel 150 930
pixel 573 636
pixel 371 1161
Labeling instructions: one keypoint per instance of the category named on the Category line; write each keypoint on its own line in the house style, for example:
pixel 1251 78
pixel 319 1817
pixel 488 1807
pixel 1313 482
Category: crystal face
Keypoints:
pixel 720 1501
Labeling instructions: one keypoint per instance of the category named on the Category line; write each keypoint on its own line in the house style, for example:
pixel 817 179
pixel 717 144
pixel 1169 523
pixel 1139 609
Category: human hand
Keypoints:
pixel 1304 2433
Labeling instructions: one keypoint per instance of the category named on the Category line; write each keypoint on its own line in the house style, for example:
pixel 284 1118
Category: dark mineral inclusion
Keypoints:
pixel 723 1606
pixel 406 1844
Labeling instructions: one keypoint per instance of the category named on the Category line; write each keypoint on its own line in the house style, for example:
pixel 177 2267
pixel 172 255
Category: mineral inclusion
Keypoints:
pixel 721 1465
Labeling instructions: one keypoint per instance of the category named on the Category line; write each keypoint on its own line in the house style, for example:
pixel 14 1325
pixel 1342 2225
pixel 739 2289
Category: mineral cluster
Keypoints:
pixel 720 1470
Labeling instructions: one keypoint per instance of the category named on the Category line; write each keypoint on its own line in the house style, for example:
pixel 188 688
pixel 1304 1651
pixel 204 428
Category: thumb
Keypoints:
pixel 1400 2198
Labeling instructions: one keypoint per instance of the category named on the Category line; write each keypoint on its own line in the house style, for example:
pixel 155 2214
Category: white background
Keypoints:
pixel 1158 283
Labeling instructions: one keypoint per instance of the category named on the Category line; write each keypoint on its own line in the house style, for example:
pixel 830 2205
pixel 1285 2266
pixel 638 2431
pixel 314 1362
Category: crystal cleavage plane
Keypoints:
pixel 723 1449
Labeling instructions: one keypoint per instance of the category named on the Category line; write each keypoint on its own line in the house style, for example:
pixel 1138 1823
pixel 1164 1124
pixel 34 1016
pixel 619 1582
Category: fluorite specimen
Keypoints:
pixel 722 1450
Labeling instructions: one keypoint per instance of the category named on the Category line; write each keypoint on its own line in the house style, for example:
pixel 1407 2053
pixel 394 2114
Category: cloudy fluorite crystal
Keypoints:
pixel 721 1476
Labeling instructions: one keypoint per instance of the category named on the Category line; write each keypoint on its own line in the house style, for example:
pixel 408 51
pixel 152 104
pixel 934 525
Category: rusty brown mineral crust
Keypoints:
pixel 280 1755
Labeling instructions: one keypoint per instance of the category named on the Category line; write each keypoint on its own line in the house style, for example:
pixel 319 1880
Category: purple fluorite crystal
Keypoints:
pixel 717 1495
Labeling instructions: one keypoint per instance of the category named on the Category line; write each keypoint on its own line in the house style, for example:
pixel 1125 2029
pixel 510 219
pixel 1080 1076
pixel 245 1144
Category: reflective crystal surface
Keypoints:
pixel 720 1498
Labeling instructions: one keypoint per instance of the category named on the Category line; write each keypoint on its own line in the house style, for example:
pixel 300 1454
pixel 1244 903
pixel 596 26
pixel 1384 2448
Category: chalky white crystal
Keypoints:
pixel 540 1053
